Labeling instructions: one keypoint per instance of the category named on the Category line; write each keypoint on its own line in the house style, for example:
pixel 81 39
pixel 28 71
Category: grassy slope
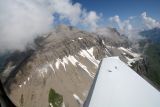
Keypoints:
pixel 55 99
pixel 153 53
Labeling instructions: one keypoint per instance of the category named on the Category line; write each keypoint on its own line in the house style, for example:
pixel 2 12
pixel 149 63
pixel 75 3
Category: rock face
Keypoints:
pixel 65 60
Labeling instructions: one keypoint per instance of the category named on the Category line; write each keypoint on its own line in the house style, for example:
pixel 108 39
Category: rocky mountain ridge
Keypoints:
pixel 65 60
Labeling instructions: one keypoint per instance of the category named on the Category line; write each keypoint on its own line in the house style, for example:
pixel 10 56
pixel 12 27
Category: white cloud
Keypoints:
pixel 91 19
pixel 133 25
pixel 149 22
pixel 21 21
pixel 74 13
pixel 127 27
pixel 124 26
pixel 116 19
pixel 67 10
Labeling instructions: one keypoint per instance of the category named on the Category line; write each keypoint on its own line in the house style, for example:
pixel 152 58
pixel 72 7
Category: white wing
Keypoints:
pixel 117 85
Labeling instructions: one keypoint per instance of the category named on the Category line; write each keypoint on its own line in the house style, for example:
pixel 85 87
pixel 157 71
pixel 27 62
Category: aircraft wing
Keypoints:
pixel 117 85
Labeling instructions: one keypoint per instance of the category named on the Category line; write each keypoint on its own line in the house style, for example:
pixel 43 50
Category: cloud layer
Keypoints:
pixel 75 14
pixel 122 25
pixel 149 21
pixel 133 25
pixel 21 21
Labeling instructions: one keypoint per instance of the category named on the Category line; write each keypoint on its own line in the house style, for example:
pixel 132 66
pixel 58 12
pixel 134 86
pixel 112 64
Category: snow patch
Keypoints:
pixel 108 46
pixel 20 86
pixel 28 78
pixel 52 68
pixel 103 42
pixel 65 60
pixel 72 59
pixel 80 38
pixel 85 68
pixel 57 63
pixel 50 104
pixel 89 54
pixel 78 99
pixel 43 71
pixel 108 51
pixel 63 104
pixel 63 65
pixel 129 52
pixel 91 51
pixel 135 56
pixel 24 82
pixel 130 61
pixel 124 53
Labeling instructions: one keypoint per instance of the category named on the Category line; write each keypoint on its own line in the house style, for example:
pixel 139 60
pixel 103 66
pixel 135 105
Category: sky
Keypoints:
pixel 21 21
pixel 123 8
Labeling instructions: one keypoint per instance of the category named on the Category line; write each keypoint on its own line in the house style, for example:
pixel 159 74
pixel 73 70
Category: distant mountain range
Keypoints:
pixel 64 64
pixel 152 34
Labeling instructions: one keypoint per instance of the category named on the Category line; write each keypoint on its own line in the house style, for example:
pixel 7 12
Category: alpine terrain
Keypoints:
pixel 60 69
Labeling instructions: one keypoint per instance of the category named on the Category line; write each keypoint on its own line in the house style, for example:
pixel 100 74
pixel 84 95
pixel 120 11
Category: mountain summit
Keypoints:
pixel 63 64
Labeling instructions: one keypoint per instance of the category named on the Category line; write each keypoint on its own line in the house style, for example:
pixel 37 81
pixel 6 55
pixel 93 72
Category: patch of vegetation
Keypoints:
pixel 55 99
pixel 142 43
pixel 152 34
pixel 153 54
pixel 152 51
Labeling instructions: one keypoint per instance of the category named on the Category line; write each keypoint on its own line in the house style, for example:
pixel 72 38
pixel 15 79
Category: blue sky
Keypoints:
pixel 19 16
pixel 123 8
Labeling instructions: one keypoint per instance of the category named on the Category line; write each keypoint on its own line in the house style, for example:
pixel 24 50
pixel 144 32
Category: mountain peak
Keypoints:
pixel 66 60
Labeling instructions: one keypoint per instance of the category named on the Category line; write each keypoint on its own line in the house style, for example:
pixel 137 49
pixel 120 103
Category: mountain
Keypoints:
pixel 61 68
pixel 151 47
pixel 152 34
